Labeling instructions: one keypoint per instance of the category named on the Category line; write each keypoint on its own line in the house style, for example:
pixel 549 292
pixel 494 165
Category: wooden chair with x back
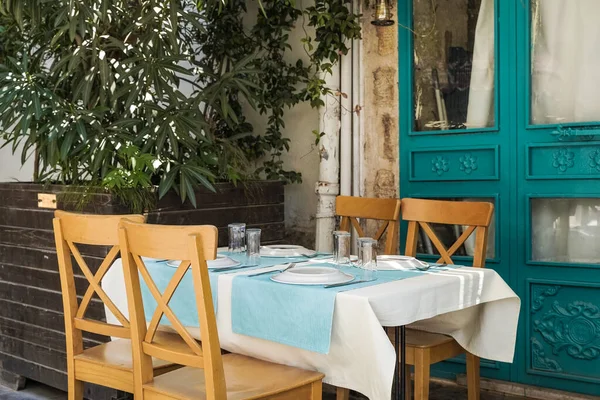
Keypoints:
pixel 386 210
pixel 109 364
pixel 424 349
pixel 207 373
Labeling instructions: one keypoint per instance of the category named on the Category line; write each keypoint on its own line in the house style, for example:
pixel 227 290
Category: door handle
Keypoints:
pixel 585 133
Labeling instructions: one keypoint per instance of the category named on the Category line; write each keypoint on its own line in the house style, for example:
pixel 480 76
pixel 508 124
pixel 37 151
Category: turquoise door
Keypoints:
pixel 498 102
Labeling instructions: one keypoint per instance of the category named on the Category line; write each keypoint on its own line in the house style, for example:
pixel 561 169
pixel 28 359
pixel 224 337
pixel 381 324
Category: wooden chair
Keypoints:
pixel 423 348
pixel 109 364
pixel 207 373
pixel 387 210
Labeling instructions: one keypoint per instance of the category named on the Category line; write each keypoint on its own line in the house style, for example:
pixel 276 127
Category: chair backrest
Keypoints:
pixel 194 245
pixel 474 216
pixel 70 231
pixel 387 210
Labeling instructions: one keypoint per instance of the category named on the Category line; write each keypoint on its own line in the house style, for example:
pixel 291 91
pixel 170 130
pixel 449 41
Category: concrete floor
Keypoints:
pixel 37 391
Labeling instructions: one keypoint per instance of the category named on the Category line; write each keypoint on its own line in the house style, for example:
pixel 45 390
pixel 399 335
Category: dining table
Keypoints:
pixel 341 331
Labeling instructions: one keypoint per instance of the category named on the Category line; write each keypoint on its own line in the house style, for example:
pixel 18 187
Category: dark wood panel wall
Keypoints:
pixel 32 341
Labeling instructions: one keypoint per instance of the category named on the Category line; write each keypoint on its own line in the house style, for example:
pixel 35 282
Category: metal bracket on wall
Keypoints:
pixel 585 133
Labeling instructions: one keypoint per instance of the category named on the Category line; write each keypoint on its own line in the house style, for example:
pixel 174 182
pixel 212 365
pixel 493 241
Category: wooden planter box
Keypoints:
pixel 32 341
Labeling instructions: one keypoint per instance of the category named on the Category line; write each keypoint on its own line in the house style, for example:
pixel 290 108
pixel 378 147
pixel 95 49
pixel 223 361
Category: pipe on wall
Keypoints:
pixel 327 187
pixel 346 124
pixel 358 86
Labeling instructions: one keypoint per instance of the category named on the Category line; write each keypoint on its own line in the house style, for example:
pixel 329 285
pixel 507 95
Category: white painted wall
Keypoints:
pixel 300 121
pixel 11 169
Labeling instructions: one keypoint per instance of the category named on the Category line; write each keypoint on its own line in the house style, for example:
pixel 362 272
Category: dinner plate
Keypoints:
pixel 392 262
pixel 312 276
pixel 285 251
pixel 220 262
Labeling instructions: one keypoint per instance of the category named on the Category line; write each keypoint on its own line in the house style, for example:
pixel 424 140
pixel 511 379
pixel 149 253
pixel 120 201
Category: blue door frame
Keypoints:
pixel 559 332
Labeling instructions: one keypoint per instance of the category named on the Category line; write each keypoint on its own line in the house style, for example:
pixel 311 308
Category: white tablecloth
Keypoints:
pixel 475 306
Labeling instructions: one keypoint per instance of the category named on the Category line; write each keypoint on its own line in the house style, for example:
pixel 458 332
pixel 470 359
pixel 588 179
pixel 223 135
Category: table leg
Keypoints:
pixel 400 375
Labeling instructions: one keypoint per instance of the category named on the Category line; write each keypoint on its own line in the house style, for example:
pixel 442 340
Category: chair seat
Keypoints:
pixel 246 378
pixel 423 340
pixel 118 354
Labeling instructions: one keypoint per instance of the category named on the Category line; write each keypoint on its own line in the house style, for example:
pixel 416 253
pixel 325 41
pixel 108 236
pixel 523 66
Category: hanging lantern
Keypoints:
pixel 383 13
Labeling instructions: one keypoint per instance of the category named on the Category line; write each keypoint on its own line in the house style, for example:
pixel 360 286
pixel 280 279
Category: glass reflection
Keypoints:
pixel 565 230
pixel 453 64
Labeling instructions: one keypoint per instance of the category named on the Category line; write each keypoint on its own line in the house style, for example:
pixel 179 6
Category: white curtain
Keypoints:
pixel 565 78
pixel 480 113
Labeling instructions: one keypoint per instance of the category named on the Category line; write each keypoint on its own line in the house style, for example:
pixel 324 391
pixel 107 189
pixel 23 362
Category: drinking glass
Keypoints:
pixel 341 247
pixel 367 258
pixel 237 236
pixel 252 247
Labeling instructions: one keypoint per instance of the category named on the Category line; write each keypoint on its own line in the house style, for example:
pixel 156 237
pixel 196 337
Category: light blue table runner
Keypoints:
pixel 296 315
pixel 183 302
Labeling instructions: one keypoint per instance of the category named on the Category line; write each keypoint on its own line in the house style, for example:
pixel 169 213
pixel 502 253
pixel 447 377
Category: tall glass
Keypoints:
pixel 252 247
pixel 367 258
pixel 341 247
pixel 237 237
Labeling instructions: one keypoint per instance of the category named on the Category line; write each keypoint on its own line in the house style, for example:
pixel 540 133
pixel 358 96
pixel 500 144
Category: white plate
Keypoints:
pixel 220 262
pixel 285 251
pixel 312 276
pixel 392 262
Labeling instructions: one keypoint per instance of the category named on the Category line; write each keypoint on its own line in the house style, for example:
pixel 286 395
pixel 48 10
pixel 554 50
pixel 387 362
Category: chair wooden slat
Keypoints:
pixel 163 307
pixel 473 216
pixel 102 328
pixel 102 270
pixel 445 257
pixel 386 210
pixel 96 286
pixel 447 212
pixel 167 352
pixel 167 294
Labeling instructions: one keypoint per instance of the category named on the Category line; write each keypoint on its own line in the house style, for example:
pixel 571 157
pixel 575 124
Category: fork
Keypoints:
pixel 290 266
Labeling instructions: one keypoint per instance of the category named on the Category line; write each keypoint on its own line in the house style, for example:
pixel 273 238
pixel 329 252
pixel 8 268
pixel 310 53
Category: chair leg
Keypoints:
pixel 75 388
pixel 407 373
pixel 342 393
pixel 473 376
pixel 317 390
pixel 422 368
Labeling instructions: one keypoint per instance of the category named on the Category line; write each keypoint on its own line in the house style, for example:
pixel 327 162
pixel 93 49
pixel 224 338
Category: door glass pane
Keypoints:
pixel 565 61
pixel 565 230
pixel 453 64
pixel 448 234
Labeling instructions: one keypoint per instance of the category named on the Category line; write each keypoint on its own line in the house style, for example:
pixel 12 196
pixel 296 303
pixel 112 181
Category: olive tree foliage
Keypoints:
pixel 111 94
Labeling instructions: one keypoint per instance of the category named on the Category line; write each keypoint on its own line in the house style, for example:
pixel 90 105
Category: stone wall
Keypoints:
pixel 380 144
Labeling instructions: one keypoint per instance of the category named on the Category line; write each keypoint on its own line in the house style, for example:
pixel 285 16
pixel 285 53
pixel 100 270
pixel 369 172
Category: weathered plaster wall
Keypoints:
pixel 380 167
